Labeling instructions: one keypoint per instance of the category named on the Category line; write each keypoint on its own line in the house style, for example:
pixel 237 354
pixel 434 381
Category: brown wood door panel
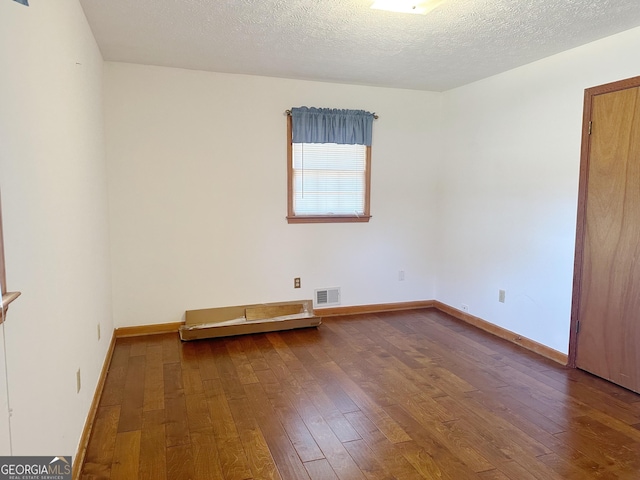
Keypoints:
pixel 609 303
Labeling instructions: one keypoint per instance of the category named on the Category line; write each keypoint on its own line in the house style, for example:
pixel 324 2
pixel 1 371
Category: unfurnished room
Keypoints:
pixel 345 239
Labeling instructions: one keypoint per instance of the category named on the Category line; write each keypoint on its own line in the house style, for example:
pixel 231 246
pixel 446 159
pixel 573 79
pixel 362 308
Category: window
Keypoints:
pixel 328 165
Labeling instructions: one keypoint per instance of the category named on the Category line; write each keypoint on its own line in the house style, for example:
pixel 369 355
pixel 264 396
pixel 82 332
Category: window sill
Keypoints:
pixel 329 219
pixel 7 298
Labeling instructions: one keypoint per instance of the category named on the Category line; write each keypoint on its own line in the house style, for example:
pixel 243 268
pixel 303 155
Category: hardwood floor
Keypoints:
pixel 405 395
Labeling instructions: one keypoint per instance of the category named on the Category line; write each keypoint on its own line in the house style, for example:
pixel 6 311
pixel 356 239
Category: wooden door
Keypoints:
pixel 607 297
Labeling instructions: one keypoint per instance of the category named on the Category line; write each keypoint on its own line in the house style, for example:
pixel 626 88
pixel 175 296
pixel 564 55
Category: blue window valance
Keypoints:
pixel 331 125
pixel 23 2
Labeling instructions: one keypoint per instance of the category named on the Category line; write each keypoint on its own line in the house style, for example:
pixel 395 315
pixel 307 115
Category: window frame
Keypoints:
pixel 293 218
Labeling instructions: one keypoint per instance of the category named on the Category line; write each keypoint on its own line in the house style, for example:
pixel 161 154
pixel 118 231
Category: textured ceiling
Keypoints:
pixel 345 41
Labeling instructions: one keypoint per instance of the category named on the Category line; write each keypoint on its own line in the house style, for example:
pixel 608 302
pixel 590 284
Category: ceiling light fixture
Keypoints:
pixel 406 6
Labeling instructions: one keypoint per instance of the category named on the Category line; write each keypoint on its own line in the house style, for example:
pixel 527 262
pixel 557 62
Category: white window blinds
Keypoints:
pixel 329 179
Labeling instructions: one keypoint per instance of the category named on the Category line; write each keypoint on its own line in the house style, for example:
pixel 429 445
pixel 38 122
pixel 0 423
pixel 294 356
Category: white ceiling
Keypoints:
pixel 345 41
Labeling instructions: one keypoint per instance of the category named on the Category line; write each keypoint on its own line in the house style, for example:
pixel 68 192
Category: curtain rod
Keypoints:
pixel 288 112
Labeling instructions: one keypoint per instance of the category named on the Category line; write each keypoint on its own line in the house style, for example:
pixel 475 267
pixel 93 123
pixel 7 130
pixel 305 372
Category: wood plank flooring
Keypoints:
pixel 404 395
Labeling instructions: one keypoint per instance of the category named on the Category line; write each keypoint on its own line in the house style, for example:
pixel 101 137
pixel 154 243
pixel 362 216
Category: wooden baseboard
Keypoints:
pixel 148 329
pixel 491 328
pixel 78 460
pixel 376 308
pixel 525 342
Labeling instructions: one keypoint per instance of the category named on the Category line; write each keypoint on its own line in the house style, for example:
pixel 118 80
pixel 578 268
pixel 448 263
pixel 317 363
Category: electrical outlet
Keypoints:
pixel 465 308
pixel 296 282
pixel 501 295
pixel 401 276
pixel 98 332
pixel 78 381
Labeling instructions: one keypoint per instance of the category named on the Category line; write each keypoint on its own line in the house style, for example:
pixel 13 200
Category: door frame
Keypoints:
pixel 585 147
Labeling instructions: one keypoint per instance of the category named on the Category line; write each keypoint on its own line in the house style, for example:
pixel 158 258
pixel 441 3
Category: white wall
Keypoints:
pixel 508 187
pixel 54 200
pixel 197 188
pixel 5 437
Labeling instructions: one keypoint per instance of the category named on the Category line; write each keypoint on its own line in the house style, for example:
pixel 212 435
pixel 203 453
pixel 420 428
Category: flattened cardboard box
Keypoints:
pixel 246 319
